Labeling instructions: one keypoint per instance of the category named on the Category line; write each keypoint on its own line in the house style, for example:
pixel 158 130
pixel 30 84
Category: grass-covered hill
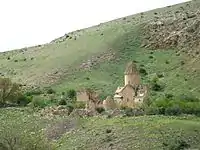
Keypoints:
pixel 96 57
pixel 164 43
pixel 21 130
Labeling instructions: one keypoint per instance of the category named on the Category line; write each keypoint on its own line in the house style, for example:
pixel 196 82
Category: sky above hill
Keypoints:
pixel 31 22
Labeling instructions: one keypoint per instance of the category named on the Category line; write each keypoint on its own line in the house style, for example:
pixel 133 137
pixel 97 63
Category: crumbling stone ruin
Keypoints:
pixel 130 95
pixel 90 98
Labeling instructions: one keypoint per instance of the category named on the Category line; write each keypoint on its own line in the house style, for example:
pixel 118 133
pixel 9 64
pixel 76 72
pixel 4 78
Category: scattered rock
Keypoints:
pixel 181 32
pixel 56 130
pixel 53 111
pixel 83 113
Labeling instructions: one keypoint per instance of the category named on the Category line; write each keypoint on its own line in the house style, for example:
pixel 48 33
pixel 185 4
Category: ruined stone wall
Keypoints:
pixel 109 103
pixel 82 96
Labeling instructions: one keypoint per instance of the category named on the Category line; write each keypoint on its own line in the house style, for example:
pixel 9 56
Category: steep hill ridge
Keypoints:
pixel 96 57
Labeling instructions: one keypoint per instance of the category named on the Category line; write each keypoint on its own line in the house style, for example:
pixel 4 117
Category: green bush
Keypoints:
pixel 50 91
pixel 24 100
pixel 189 98
pixel 160 75
pixel 62 102
pixel 71 94
pixel 156 85
pixel 143 71
pixel 38 102
pixel 173 110
pixel 100 109
pixel 173 107
pixel 169 96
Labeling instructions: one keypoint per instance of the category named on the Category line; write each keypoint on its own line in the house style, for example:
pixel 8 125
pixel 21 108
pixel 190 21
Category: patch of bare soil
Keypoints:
pixel 56 130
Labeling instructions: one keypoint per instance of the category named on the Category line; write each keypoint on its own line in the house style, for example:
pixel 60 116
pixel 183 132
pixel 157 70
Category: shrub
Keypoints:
pixel 37 102
pixel 167 61
pixel 71 94
pixel 108 130
pixel 189 98
pixel 160 75
pixel 169 96
pixel 100 109
pixel 62 102
pixel 151 57
pixel 143 71
pixel 50 91
pixel 174 107
pixel 24 100
pixel 173 110
pixel 87 78
pixel 152 52
pixel 63 93
pixel 156 86
pixel 182 62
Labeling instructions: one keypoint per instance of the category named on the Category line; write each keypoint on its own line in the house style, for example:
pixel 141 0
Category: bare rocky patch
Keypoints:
pixel 182 31
pixel 56 130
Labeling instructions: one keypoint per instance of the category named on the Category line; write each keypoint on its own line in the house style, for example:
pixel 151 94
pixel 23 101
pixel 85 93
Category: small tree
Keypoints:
pixel 9 92
pixel 71 94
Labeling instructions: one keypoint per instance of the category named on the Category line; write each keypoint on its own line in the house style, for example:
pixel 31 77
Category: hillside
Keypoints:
pixel 96 57
pixel 164 44
pixel 139 133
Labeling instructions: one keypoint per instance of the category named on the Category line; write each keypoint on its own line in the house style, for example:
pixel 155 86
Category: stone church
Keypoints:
pixel 130 95
pixel 133 92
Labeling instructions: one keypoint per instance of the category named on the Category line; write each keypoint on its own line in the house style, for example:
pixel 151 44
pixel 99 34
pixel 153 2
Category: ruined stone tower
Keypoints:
pixel 131 75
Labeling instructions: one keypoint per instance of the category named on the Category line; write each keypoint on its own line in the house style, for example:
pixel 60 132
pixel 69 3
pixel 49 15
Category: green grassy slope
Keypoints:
pixel 145 132
pixel 106 49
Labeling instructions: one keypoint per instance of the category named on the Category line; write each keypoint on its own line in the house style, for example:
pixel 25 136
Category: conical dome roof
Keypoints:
pixel 131 68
